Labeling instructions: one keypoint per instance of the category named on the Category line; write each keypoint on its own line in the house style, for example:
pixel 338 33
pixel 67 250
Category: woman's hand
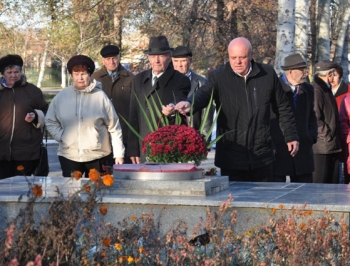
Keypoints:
pixel 119 160
pixel 30 117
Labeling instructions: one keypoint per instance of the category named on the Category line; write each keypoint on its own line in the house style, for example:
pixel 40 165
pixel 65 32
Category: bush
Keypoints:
pixel 73 231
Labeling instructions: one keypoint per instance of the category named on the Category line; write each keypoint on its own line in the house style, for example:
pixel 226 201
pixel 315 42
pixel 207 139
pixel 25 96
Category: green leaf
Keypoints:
pixel 131 128
pixel 205 118
pixel 155 125
pixel 148 122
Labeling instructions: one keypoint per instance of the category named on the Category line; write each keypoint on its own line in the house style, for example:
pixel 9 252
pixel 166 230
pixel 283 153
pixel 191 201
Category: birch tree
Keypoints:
pixel 285 32
pixel 302 27
pixel 323 30
pixel 42 66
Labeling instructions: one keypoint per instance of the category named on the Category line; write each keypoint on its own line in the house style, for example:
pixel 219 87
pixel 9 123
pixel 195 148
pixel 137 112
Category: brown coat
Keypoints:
pixel 118 91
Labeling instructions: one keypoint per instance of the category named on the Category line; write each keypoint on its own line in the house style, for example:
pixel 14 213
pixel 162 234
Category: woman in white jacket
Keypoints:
pixel 82 119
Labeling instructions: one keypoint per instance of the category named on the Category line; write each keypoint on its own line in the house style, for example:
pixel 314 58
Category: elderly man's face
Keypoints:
pixel 182 64
pixel 297 76
pixel 159 62
pixel 240 55
pixel 111 63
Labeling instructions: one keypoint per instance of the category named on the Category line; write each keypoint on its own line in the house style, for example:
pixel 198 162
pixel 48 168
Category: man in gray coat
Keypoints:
pixel 116 83
pixel 182 59
pixel 327 148
pixel 301 98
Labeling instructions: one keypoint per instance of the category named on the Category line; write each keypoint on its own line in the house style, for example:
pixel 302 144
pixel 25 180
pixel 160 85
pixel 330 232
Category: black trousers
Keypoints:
pixel 326 168
pixel 306 178
pixel 69 166
pixel 9 168
pixel 263 174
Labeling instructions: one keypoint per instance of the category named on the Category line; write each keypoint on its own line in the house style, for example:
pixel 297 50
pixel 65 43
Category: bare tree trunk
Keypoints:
pixel 64 73
pixel 285 32
pixel 342 31
pixel 323 30
pixel 42 66
pixel 302 27
pixel 344 62
pixel 313 29
pixel 219 34
pixel 118 21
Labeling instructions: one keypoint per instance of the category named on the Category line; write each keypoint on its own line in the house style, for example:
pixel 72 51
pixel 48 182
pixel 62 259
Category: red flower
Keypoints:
pixel 175 143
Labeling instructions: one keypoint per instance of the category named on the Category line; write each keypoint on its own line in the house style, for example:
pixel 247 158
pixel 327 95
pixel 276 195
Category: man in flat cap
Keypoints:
pixel 116 83
pixel 327 148
pixel 182 59
pixel 301 98
pixel 162 81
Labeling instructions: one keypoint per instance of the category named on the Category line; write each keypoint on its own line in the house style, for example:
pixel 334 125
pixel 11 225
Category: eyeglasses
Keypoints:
pixel 304 69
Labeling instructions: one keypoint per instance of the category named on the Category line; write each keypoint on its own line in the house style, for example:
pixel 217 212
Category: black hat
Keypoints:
pixel 294 61
pixel 325 65
pixel 158 45
pixel 81 60
pixel 10 60
pixel 109 50
pixel 181 51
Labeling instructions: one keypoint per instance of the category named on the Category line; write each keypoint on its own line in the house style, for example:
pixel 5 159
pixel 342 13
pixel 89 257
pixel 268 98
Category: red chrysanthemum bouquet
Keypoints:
pixel 175 144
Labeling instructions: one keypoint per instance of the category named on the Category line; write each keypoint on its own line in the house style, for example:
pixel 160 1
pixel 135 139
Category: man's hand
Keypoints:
pixel 293 147
pixel 168 110
pixel 29 117
pixel 183 107
pixel 119 160
pixel 135 160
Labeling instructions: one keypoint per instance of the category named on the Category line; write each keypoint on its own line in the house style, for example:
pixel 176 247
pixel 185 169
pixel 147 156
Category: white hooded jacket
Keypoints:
pixel 82 121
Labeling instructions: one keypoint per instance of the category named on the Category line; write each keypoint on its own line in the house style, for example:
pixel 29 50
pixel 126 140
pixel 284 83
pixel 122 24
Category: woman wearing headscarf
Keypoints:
pixel 83 120
pixel 22 109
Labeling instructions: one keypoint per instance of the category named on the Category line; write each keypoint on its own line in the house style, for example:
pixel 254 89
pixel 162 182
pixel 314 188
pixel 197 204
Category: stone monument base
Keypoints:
pixel 197 187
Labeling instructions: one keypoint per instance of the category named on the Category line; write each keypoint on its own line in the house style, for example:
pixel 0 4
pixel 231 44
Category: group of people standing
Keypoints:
pixel 271 126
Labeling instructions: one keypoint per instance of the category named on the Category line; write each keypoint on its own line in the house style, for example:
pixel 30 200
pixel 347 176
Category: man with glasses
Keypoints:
pixel 327 148
pixel 162 81
pixel 301 98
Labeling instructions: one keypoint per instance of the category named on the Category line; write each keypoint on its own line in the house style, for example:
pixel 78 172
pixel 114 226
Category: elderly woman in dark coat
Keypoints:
pixel 22 109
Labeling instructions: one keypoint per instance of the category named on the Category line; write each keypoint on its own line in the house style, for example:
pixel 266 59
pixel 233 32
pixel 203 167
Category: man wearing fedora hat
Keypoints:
pixel 301 98
pixel 162 81
pixel 327 149
pixel 116 83
pixel 182 59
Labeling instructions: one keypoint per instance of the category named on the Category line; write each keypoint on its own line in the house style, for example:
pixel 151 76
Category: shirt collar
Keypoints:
pixel 250 70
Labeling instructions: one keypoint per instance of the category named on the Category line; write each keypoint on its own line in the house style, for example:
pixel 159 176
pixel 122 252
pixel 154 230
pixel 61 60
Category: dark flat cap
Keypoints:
pixel 158 45
pixel 294 61
pixel 325 65
pixel 10 60
pixel 109 50
pixel 81 60
pixel 181 51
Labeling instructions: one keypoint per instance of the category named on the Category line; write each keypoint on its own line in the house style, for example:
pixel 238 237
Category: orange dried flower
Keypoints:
pixel 103 210
pixel 141 250
pixel 107 241
pixel 108 180
pixel 302 225
pixel 137 260
pixel 103 254
pixel 37 191
pixel 130 259
pixel 273 210
pixel 134 218
pixel 20 168
pixel 281 206
pixel 94 175
pixel 87 188
pixel 77 175
pixel 118 246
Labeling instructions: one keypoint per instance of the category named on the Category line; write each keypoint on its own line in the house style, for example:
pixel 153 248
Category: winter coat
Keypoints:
pixel 82 121
pixel 244 117
pixel 344 118
pixel 118 91
pixel 305 119
pixel 343 90
pixel 20 140
pixel 196 82
pixel 327 119
pixel 172 87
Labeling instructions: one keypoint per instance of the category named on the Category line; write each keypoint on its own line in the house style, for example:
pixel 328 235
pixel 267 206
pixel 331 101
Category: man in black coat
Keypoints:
pixel 327 148
pixel 301 98
pixel 245 90
pixel 160 81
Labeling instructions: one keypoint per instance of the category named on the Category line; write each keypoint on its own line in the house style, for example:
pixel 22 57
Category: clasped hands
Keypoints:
pixel 182 107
